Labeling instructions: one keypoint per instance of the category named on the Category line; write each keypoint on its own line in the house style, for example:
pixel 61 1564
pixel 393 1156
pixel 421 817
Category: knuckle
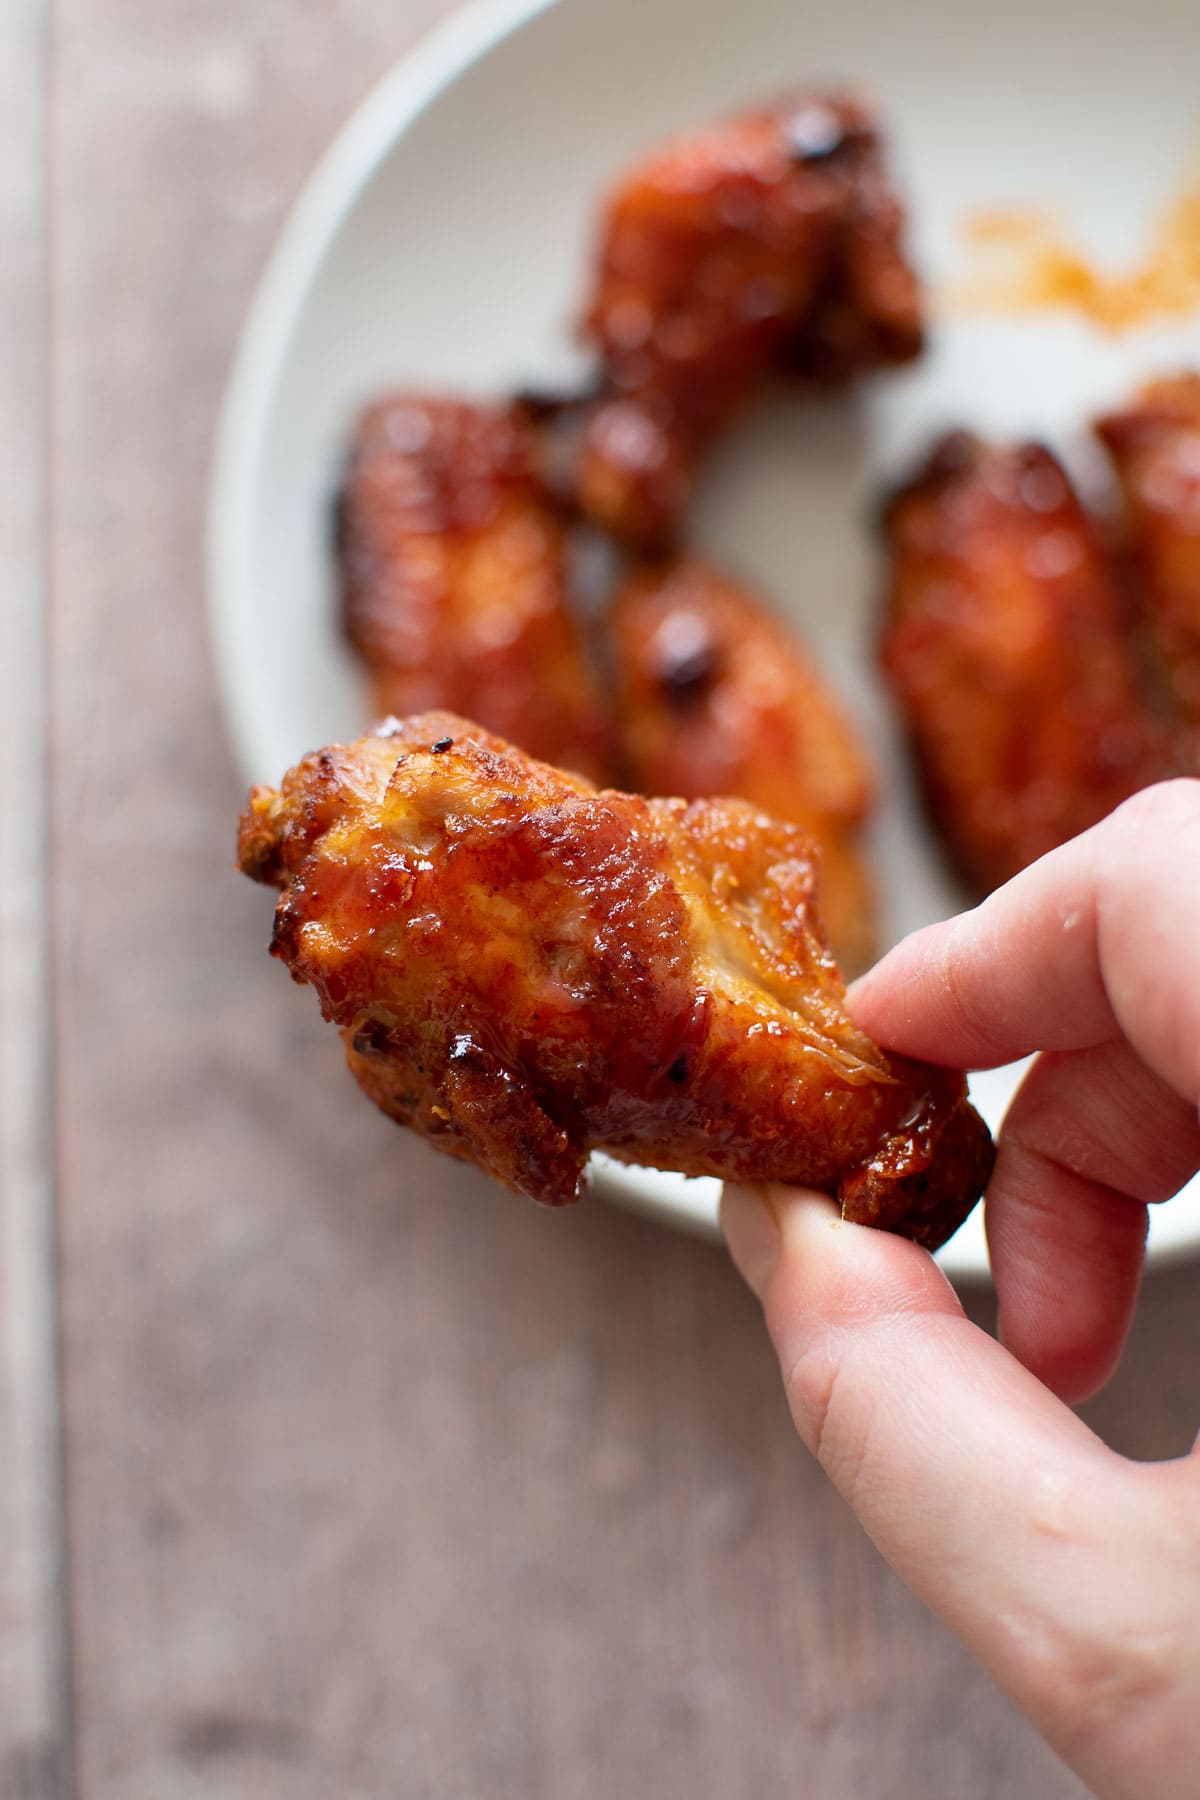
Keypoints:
pixel 1098 1669
pixel 1104 1692
pixel 829 1416
pixel 1167 805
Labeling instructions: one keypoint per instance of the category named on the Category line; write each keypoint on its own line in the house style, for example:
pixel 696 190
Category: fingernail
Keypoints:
pixel 805 1219
pixel 752 1234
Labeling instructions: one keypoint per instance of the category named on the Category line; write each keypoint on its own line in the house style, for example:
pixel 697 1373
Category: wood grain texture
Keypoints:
pixel 34 1706
pixel 382 1485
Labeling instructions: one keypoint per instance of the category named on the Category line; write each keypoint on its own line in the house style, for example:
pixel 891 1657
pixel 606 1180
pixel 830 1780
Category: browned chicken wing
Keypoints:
pixel 1004 645
pixel 453 575
pixel 524 970
pixel 715 697
pixel 1155 444
pixel 769 240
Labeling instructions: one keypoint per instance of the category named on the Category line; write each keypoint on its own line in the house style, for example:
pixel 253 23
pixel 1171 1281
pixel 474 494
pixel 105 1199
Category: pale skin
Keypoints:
pixel 1073 1574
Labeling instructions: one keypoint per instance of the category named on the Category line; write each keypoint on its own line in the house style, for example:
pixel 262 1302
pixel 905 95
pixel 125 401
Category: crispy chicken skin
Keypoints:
pixel 769 240
pixel 453 575
pixel 1155 444
pixel 1004 646
pixel 714 696
pixel 524 970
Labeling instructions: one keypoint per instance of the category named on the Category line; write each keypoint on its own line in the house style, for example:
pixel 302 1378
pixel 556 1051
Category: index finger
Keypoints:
pixel 1098 939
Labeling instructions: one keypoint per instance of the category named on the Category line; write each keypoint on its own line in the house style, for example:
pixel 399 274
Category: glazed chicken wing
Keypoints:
pixel 1004 646
pixel 453 572
pixel 715 697
pixel 524 970
pixel 1155 444
pixel 769 240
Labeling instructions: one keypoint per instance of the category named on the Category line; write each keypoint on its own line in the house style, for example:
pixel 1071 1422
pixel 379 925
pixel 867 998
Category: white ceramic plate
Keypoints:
pixel 444 240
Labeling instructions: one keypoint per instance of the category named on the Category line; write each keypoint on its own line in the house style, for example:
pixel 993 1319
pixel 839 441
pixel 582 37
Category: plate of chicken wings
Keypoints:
pixel 617 450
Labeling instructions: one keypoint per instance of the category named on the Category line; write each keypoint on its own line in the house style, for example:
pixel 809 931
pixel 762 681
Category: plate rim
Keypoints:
pixel 331 187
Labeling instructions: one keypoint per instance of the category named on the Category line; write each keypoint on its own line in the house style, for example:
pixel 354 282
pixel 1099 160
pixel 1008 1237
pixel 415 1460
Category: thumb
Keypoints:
pixel 985 1493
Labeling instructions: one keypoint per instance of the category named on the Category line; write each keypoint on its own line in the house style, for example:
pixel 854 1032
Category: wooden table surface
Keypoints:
pixel 325 1471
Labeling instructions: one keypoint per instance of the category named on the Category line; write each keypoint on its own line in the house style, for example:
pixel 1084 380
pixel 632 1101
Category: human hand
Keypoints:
pixel 1073 1574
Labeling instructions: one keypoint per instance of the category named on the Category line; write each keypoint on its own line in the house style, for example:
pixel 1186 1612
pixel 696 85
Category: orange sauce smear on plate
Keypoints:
pixel 1034 266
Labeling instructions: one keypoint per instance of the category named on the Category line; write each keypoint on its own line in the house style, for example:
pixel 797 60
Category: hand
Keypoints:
pixel 1073 1574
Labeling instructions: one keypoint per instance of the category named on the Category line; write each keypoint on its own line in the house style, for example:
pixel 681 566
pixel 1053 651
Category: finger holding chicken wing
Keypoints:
pixel 453 573
pixel 1155 445
pixel 768 240
pixel 524 970
pixel 1003 643
pixel 715 697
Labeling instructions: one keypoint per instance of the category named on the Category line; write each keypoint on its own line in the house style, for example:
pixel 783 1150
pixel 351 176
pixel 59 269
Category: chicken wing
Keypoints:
pixel 715 697
pixel 1004 645
pixel 769 240
pixel 453 572
pixel 524 970
pixel 1155 444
